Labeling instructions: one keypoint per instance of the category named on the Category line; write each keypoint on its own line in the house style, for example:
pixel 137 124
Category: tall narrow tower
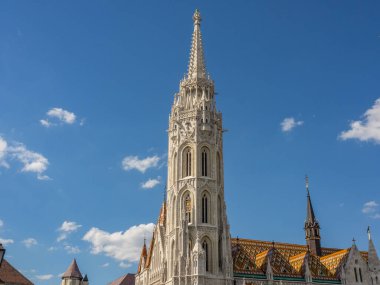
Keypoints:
pixel 312 229
pixel 197 234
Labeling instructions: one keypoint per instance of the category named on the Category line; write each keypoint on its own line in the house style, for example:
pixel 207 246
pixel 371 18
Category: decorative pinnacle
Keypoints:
pixel 197 67
pixel 307 184
pixel 353 241
pixel 197 17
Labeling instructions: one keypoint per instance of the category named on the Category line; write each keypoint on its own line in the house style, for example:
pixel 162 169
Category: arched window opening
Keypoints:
pixel 204 208
pixel 188 208
pixel 220 253
pixel 207 255
pixel 356 274
pixel 220 214
pixel 174 211
pixel 219 168
pixel 377 280
pixel 205 161
pixel 360 275
pixel 186 162
pixel 174 168
pixel 172 261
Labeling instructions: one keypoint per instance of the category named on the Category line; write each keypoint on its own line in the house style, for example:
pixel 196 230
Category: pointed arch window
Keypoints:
pixel 186 162
pixel 356 274
pixel 360 275
pixel 205 161
pixel 188 208
pixel 219 168
pixel 205 247
pixel 205 209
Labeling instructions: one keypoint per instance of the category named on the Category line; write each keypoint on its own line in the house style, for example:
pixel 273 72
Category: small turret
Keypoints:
pixel 312 229
pixel 73 276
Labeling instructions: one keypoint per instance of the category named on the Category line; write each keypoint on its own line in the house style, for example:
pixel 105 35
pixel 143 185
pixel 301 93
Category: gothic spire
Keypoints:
pixel 312 235
pixel 373 259
pixel 310 212
pixel 197 67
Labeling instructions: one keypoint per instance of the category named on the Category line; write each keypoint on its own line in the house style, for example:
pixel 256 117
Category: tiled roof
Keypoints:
pixel 73 271
pixel 287 260
pixel 10 275
pixel 128 279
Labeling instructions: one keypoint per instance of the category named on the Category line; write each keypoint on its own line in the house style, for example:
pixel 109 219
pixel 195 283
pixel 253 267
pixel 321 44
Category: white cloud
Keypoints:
pixel 133 162
pixel 290 123
pixel 52 248
pixel 62 115
pixel 3 153
pixel 367 129
pixel 44 277
pixel 1 223
pixel 122 246
pixel 72 249
pixel 370 207
pixel 6 241
pixel 66 229
pixel 105 264
pixel 29 242
pixel 376 216
pixel 32 161
pixel 151 183
pixel 125 265
pixel 46 123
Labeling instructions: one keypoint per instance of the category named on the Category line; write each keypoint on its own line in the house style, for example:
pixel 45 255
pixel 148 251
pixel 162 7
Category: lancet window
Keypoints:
pixel 205 209
pixel 205 247
pixel 205 161
pixel 187 206
pixel 186 162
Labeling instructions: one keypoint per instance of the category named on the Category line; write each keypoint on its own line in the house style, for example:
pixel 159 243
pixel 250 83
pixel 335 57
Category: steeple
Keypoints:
pixel 312 229
pixel 197 67
pixel 373 259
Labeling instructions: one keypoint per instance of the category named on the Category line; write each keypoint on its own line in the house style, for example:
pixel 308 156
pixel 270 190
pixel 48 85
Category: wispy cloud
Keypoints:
pixel 105 264
pixel 71 249
pixel 371 208
pixel 133 162
pixel 122 246
pixel 44 277
pixel 289 124
pixel 58 115
pixel 367 129
pixel 66 229
pixel 151 183
pixel 125 265
pixel 32 161
pixel 29 242
pixel 6 241
pixel 1 223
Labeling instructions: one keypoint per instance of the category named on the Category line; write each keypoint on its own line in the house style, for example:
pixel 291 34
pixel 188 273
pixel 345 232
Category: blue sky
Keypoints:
pixel 102 74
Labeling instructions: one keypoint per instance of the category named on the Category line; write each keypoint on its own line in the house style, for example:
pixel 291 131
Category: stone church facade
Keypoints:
pixel 191 243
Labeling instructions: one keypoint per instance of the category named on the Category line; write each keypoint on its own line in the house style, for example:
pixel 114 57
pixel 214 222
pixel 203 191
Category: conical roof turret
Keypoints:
pixel 73 271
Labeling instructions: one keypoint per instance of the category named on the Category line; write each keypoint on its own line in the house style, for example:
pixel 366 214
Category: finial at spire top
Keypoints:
pixel 307 184
pixel 197 17
pixel 353 241
pixel 369 233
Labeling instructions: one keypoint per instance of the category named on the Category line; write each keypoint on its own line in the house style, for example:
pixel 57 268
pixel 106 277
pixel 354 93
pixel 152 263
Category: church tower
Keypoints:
pixel 197 234
pixel 312 229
